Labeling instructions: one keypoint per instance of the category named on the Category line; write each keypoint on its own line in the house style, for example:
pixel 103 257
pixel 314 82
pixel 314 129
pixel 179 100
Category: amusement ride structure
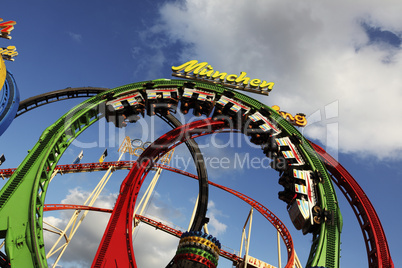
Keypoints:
pixel 306 172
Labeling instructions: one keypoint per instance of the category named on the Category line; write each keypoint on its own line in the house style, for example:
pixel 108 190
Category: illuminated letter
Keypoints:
pixel 242 79
pixel 276 108
pixel 269 85
pixel 8 53
pixel 207 71
pixel 301 120
pixel 255 82
pixel 6 28
pixel 219 75
pixel 231 77
pixel 190 66
pixel 287 115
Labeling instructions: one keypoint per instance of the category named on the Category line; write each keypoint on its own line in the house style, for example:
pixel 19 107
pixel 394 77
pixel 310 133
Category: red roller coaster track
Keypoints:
pixel 376 243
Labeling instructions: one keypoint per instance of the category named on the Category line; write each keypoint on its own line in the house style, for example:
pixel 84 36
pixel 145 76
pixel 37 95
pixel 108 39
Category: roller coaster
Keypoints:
pixel 313 210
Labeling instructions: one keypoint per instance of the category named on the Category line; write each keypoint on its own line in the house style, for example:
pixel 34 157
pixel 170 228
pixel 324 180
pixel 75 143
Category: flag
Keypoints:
pixel 2 159
pixel 79 157
pixel 103 156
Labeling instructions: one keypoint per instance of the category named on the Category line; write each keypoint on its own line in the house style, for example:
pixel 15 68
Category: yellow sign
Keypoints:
pixel 298 120
pixel 3 72
pixel 8 53
pixel 205 72
pixel 6 28
pixel 256 263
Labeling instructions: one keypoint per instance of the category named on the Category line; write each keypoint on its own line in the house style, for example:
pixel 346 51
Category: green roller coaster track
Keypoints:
pixel 22 198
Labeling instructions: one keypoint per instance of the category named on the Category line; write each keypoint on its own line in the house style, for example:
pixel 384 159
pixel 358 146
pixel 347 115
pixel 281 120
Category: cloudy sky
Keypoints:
pixel 337 62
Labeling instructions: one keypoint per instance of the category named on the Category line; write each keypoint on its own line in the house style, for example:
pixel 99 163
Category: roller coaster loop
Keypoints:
pixel 27 186
pixel 40 163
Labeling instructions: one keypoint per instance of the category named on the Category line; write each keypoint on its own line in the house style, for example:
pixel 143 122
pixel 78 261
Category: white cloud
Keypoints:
pixel 215 227
pixel 316 53
pixel 83 246
pixel 155 247
pixel 75 37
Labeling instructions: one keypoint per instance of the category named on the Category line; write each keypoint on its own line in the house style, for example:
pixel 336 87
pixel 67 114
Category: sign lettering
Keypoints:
pixel 298 120
pixel 6 28
pixel 256 263
pixel 8 53
pixel 204 72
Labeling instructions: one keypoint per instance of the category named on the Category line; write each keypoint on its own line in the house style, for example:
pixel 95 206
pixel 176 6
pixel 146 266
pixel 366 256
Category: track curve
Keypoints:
pixel 57 95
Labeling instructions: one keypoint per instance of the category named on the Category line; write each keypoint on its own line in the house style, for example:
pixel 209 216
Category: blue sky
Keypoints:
pixel 339 63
